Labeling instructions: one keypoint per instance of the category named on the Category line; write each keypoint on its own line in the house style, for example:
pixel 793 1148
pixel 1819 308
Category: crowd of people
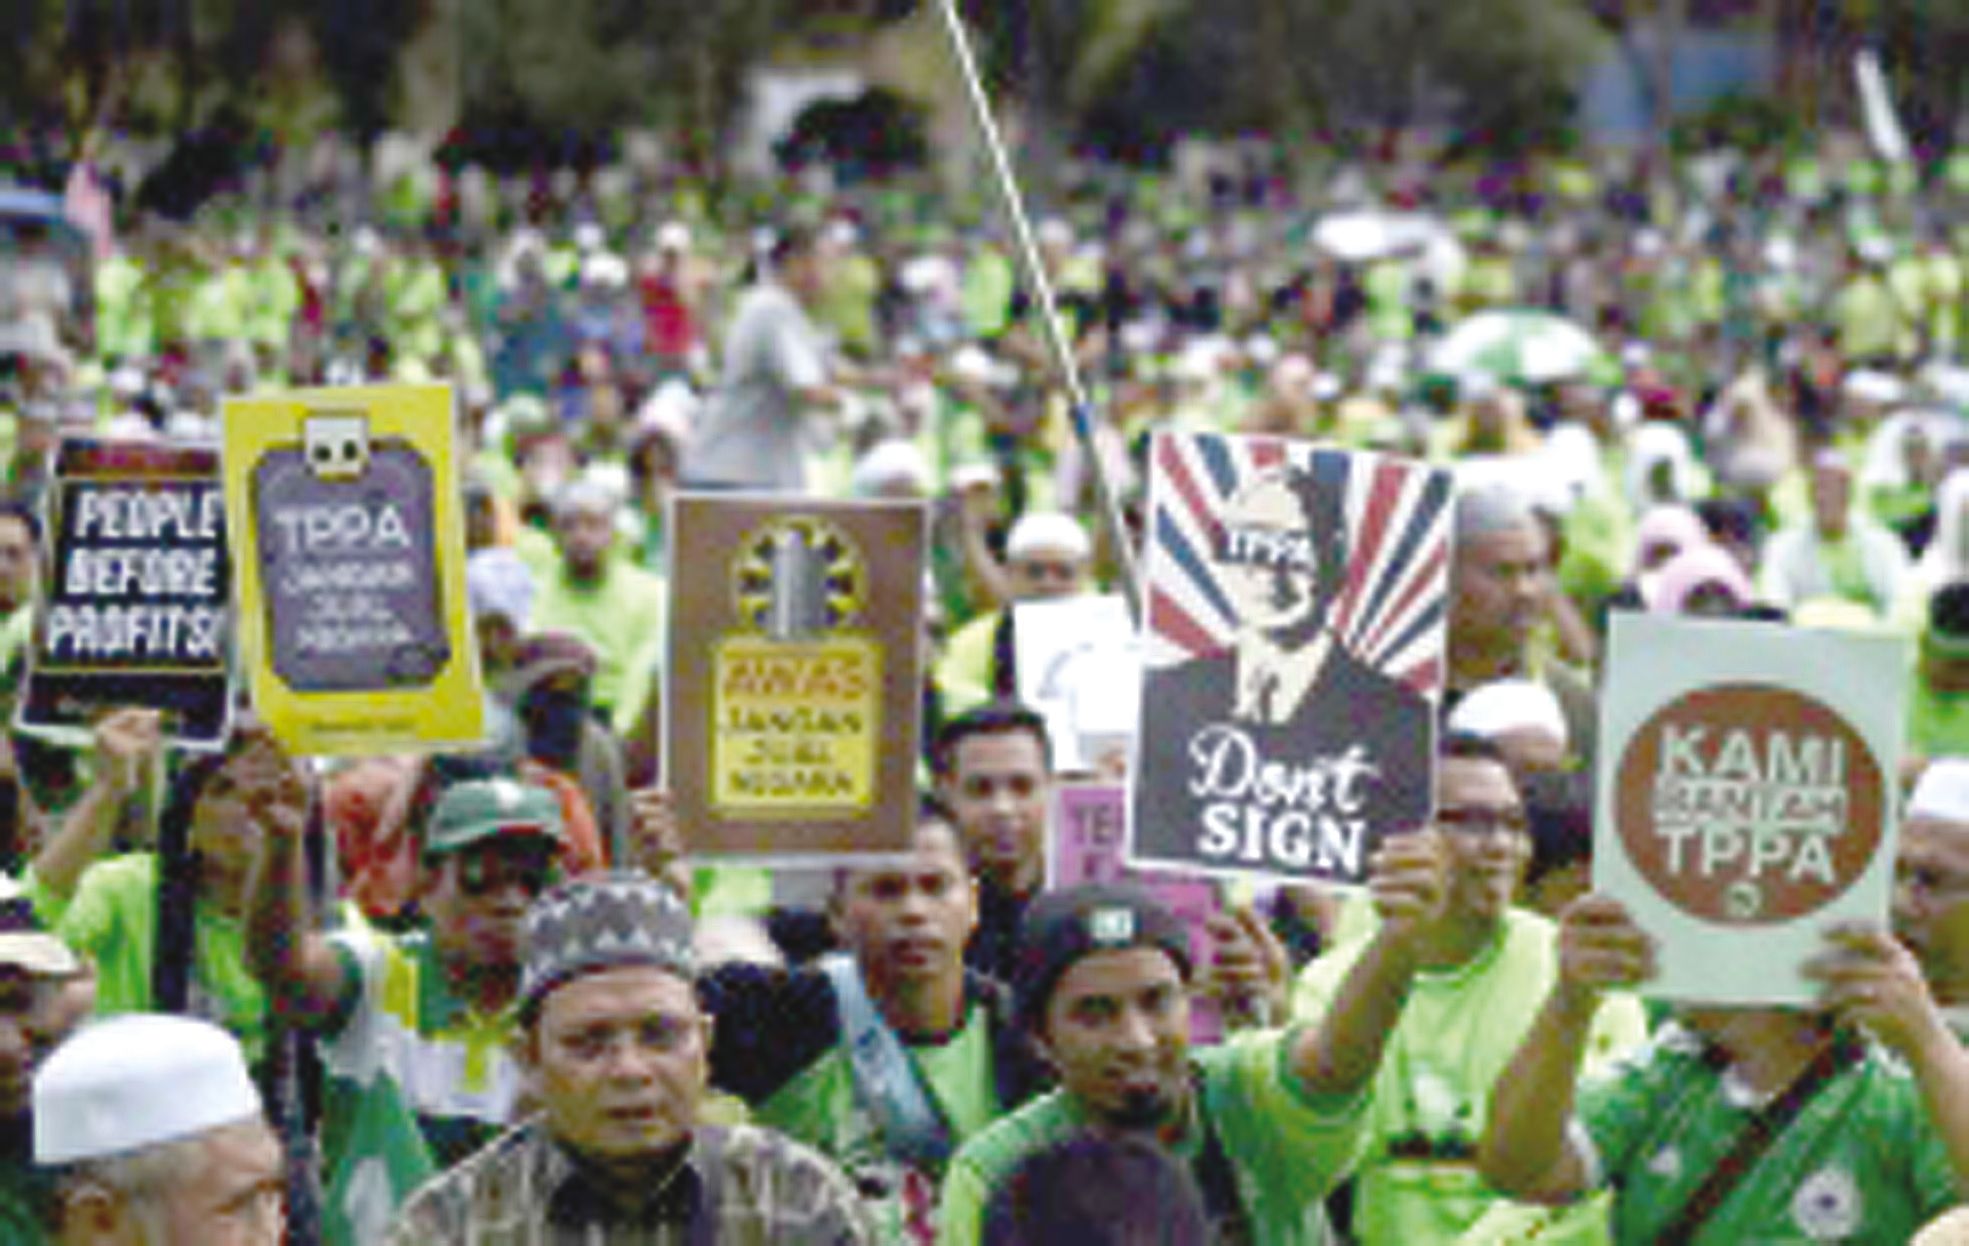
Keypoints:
pixel 493 996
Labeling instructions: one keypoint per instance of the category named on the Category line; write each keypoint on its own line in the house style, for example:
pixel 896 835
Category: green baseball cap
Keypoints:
pixel 480 809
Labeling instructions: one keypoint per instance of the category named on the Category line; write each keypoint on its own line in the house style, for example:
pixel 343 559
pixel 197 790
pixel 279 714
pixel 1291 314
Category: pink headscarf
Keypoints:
pixel 1667 524
pixel 1694 567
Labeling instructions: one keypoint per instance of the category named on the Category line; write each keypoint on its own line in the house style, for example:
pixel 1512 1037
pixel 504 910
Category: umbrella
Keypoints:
pixel 1527 347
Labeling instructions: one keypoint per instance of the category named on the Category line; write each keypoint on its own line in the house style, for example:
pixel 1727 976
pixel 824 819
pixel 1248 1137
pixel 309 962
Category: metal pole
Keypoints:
pixel 1027 250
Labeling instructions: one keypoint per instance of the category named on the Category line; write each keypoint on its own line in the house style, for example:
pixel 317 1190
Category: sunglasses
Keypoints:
pixel 489 871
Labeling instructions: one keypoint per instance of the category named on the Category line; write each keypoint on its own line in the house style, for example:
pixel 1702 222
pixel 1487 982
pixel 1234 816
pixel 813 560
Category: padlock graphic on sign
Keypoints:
pixel 347 554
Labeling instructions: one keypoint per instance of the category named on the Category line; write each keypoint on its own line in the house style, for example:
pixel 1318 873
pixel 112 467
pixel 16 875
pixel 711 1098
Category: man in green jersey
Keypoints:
pixel 1878 1143
pixel 416 1029
pixel 1268 1123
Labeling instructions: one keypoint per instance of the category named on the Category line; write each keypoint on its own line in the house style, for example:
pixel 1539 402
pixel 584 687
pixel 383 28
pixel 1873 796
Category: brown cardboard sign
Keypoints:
pixel 794 677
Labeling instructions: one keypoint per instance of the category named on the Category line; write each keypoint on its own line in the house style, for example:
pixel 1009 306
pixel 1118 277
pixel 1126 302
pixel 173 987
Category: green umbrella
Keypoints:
pixel 1517 347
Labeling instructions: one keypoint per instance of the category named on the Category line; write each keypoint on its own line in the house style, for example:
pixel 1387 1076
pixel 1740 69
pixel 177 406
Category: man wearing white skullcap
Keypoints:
pixel 155 1128
pixel 1931 894
pixel 1046 556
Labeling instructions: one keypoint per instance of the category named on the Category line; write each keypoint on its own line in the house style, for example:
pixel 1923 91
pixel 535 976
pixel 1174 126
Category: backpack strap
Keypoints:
pixel 886 1080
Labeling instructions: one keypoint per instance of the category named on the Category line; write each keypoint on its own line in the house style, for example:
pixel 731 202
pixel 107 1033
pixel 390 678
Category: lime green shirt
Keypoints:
pixel 1457 1034
pixel 112 919
pixel 1861 1162
pixel 1937 722
pixel 622 617
pixel 1287 1149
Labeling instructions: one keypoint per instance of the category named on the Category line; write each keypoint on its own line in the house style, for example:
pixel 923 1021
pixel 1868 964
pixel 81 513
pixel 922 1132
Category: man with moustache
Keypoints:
pixel 616 1049
pixel 1268 1123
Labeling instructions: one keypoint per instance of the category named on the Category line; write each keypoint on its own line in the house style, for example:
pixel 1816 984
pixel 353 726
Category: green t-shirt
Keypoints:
pixel 1860 1163
pixel 1457 1034
pixel 1287 1149
pixel 112 919
pixel 820 1107
pixel 623 619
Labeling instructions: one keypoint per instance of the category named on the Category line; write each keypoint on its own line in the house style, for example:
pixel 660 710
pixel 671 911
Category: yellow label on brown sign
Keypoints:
pixel 794 686
pixel 796 727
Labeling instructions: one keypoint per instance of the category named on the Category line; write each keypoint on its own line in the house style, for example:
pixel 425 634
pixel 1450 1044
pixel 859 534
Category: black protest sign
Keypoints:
pixel 135 601
pixel 1293 652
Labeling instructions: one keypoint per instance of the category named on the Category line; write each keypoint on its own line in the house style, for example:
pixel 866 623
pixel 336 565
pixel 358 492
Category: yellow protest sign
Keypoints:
pixel 348 555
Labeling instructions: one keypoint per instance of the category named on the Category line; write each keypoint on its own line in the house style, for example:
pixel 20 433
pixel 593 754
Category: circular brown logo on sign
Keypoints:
pixel 1748 803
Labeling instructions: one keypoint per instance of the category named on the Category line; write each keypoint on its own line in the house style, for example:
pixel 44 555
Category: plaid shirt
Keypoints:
pixel 758 1187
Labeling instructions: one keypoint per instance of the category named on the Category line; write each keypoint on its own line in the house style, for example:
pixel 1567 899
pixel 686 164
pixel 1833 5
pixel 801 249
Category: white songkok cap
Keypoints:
pixel 1048 531
pixel 1490 710
pixel 890 465
pixel 1942 791
pixel 135 1081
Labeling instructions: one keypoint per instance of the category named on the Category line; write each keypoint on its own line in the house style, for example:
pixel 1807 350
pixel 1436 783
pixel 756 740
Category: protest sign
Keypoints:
pixel 136 600
pixel 349 554
pixel 1087 843
pixel 1743 799
pixel 1079 665
pixel 1293 654
pixel 794 680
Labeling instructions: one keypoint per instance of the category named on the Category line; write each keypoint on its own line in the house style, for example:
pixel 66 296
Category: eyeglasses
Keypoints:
pixel 1475 820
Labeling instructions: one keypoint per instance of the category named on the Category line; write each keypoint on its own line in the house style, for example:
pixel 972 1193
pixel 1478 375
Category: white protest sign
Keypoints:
pixel 1079 664
pixel 1745 796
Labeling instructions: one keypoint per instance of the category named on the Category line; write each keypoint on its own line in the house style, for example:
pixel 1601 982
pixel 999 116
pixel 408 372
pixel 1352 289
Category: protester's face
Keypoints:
pixel 1931 900
pixel 911 921
pixel 225 831
pixel 1039 574
pixel 1712 599
pixel 1117 1030
pixel 477 897
pixel 16 563
pixel 1498 581
pixel 619 1061
pixel 235 1197
pixel 31 1023
pixel 585 535
pixel 997 790
pixel 1483 825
